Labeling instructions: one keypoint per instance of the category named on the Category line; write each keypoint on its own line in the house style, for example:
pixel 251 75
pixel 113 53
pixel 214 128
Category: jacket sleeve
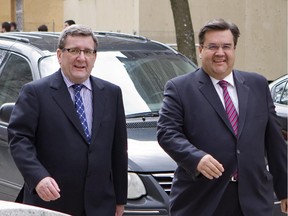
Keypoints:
pixel 276 149
pixel 170 133
pixel 120 155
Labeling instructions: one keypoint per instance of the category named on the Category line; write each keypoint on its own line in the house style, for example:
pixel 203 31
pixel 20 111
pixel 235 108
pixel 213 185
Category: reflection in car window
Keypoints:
pixel 284 96
pixel 141 76
pixel 13 76
pixel 280 93
pixel 48 65
pixel 149 73
pixel 2 55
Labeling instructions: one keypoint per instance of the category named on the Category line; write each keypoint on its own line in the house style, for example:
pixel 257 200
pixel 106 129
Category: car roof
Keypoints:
pixel 41 41
pixel 108 41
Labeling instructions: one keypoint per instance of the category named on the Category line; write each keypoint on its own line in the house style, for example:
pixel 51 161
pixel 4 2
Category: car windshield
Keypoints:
pixel 141 75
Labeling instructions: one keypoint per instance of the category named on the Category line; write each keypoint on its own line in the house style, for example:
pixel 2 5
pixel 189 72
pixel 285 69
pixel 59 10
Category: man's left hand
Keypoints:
pixel 119 210
pixel 284 206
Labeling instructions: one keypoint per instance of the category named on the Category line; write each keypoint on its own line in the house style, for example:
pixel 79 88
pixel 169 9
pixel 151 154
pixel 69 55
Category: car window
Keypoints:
pixel 284 96
pixel 280 93
pixel 14 75
pixel 48 65
pixel 2 55
pixel 140 75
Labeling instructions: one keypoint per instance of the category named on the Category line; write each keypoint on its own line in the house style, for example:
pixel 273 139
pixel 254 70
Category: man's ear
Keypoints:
pixel 200 51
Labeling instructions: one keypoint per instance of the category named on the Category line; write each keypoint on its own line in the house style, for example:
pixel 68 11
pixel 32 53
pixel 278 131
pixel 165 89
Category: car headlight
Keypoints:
pixel 136 188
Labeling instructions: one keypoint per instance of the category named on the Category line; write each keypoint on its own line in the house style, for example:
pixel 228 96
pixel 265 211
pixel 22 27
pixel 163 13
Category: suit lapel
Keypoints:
pixel 208 90
pixel 243 93
pixel 62 97
pixel 98 106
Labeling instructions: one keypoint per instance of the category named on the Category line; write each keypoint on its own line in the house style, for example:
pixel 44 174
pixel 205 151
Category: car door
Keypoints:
pixel 15 71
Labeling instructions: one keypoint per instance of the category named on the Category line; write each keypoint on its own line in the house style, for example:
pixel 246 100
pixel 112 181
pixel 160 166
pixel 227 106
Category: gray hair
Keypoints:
pixel 76 30
pixel 219 25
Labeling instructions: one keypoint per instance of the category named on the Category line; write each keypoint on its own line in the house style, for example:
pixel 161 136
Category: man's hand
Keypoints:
pixel 284 206
pixel 210 167
pixel 48 189
pixel 119 210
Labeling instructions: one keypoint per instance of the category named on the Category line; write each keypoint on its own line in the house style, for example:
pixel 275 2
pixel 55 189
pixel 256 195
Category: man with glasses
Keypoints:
pixel 68 135
pixel 219 125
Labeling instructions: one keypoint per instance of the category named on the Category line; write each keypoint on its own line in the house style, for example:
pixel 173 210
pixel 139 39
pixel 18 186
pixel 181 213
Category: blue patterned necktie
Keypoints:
pixel 80 109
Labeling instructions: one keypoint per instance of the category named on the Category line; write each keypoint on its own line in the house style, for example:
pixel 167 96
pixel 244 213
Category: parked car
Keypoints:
pixel 139 66
pixel 279 91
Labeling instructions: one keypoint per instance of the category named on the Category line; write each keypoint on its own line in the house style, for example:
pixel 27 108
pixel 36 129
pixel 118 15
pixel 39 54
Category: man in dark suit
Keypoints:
pixel 70 165
pixel 220 135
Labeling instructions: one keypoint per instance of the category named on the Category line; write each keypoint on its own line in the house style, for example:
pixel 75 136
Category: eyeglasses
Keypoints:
pixel 77 51
pixel 215 47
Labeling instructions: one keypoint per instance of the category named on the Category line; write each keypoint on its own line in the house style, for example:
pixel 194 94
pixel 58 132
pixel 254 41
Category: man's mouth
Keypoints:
pixel 219 60
pixel 79 66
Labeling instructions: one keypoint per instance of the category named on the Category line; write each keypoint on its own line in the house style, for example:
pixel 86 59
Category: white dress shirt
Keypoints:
pixel 231 90
pixel 86 94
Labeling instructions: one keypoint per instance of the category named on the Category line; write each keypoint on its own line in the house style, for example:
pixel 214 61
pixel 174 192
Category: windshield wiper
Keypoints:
pixel 143 114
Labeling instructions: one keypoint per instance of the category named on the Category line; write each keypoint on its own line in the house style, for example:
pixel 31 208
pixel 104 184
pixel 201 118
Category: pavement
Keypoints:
pixel 17 209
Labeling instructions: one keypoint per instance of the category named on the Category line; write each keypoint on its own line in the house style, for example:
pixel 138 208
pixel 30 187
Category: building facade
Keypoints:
pixel 262 45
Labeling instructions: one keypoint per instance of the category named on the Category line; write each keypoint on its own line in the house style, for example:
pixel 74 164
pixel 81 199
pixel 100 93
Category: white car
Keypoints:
pixel 279 92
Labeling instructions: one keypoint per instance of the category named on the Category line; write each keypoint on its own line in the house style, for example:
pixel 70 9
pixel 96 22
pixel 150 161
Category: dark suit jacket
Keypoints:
pixel 193 122
pixel 47 139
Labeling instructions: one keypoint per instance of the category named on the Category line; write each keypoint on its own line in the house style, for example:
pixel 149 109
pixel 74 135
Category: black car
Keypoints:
pixel 139 66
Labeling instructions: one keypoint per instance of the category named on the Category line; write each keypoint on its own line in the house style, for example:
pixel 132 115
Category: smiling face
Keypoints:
pixel 77 68
pixel 218 53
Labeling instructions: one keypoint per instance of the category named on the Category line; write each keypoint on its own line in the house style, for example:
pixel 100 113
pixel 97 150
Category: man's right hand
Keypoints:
pixel 48 189
pixel 210 167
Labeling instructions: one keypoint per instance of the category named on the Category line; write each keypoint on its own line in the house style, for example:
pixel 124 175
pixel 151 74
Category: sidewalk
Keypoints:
pixel 16 209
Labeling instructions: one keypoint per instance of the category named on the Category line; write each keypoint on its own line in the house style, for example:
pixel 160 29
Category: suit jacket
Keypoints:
pixel 193 122
pixel 47 139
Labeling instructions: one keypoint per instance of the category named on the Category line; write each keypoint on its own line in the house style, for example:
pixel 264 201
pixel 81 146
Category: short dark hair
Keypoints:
pixel 6 26
pixel 42 28
pixel 70 22
pixel 219 25
pixel 76 30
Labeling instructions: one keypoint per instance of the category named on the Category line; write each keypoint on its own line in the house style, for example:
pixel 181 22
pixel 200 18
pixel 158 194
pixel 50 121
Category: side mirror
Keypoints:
pixel 5 111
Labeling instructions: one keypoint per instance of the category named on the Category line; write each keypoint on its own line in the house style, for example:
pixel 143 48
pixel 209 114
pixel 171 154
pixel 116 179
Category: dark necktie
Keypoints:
pixel 80 109
pixel 230 108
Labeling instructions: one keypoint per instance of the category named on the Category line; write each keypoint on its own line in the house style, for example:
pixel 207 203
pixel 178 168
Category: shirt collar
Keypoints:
pixel 228 79
pixel 86 83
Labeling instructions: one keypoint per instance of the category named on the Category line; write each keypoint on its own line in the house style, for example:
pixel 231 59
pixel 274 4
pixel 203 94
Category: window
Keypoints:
pixel 284 96
pixel 280 93
pixel 2 55
pixel 16 72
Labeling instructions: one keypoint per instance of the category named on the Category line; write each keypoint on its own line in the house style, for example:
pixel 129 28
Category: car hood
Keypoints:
pixel 145 154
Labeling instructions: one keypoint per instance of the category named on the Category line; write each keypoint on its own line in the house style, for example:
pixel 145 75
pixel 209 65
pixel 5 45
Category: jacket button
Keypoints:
pixel 238 151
